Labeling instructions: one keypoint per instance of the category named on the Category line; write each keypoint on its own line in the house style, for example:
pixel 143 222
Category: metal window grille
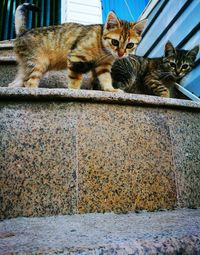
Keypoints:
pixel 49 15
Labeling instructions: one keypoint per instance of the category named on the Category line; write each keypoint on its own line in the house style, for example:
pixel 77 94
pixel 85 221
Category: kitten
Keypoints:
pixel 79 48
pixel 154 76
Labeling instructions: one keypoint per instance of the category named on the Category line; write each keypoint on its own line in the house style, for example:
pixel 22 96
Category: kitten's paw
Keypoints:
pixel 74 86
pixel 115 90
pixel 119 90
pixel 15 85
pixel 12 85
pixel 165 94
pixel 31 84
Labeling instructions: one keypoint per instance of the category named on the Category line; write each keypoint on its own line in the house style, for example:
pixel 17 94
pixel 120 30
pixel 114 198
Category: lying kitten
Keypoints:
pixel 154 76
pixel 79 48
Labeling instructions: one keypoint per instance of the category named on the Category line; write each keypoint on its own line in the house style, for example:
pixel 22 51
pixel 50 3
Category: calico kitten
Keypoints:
pixel 154 76
pixel 79 48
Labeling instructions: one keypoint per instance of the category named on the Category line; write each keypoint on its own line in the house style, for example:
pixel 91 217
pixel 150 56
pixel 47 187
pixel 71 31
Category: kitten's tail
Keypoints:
pixel 21 17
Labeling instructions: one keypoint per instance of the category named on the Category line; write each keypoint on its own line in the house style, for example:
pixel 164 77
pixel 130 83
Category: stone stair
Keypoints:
pixel 85 152
pixel 170 233
pixel 8 64
pixel 66 152
pixel 6 49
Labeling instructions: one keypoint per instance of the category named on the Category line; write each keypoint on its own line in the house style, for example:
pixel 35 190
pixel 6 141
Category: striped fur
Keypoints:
pixel 79 48
pixel 153 76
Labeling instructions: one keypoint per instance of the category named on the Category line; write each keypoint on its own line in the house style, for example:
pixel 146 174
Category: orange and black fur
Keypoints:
pixel 79 48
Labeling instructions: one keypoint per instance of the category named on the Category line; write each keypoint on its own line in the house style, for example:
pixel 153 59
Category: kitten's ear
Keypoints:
pixel 140 25
pixel 169 49
pixel 111 21
pixel 193 52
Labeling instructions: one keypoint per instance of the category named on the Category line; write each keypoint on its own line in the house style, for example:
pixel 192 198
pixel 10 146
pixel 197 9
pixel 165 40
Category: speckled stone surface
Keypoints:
pixel 184 130
pixel 7 72
pixel 125 159
pixel 6 53
pixel 171 232
pixel 91 96
pixel 38 160
pixel 66 151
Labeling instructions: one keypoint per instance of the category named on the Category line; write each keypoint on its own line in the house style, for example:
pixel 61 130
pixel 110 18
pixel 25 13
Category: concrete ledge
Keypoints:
pixel 64 152
pixel 6 51
pixel 170 232
pixel 7 43
pixel 8 59
pixel 94 96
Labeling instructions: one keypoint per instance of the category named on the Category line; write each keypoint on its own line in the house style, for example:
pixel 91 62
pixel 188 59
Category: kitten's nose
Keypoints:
pixel 178 70
pixel 120 53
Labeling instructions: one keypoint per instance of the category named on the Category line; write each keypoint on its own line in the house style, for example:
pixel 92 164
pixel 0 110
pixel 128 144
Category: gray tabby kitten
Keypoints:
pixel 153 76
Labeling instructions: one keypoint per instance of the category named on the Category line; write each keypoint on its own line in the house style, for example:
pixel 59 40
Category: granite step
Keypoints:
pixel 8 65
pixel 7 43
pixel 66 152
pixel 6 49
pixel 168 233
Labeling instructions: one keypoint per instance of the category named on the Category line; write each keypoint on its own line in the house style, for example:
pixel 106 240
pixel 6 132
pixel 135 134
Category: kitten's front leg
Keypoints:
pixel 156 87
pixel 160 90
pixel 104 76
pixel 164 92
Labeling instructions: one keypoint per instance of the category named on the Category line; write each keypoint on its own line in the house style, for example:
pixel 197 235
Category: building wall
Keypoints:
pixel 81 11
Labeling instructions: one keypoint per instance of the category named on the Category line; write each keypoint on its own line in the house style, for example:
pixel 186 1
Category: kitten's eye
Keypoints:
pixel 130 45
pixel 115 42
pixel 185 66
pixel 172 64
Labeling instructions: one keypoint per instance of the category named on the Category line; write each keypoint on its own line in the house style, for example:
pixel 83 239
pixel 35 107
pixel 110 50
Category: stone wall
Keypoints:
pixel 65 152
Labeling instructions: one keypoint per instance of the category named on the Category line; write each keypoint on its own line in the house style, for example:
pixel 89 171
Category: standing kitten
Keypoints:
pixel 79 48
pixel 154 76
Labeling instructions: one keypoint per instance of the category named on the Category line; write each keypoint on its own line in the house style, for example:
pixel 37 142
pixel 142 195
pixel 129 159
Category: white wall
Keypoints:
pixel 81 11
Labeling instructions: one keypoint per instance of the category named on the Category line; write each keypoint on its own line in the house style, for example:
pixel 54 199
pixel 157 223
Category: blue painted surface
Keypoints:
pixel 48 8
pixel 30 16
pixel 179 30
pixel 185 21
pixel 7 19
pixel 125 9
